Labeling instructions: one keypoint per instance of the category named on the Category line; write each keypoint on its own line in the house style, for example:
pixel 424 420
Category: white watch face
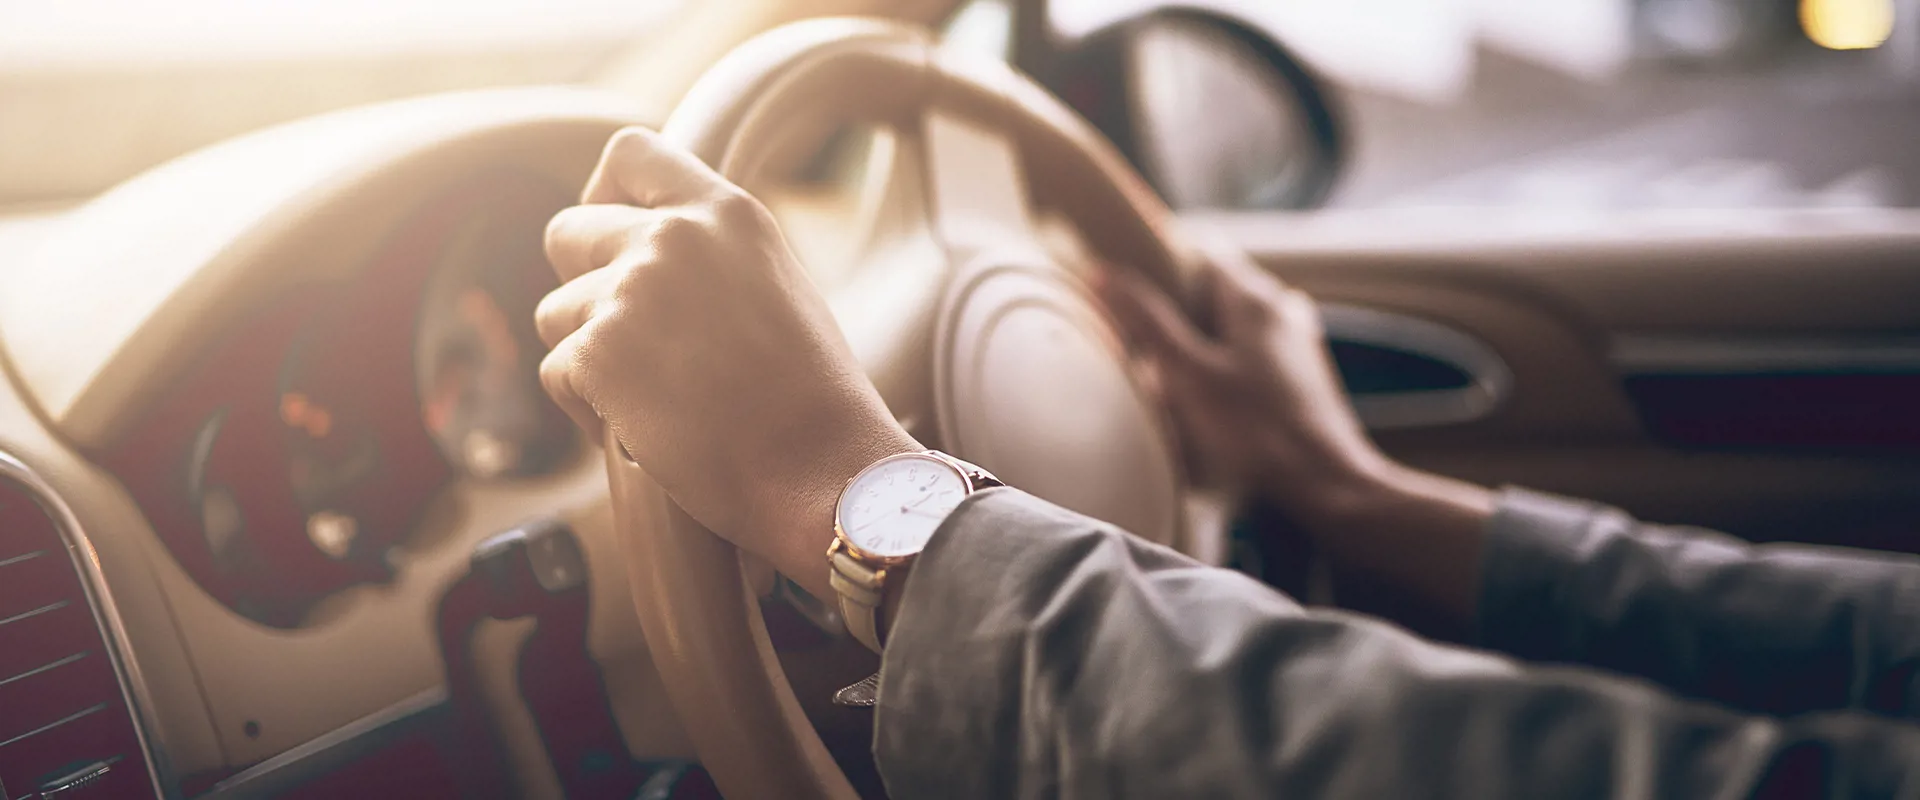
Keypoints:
pixel 893 507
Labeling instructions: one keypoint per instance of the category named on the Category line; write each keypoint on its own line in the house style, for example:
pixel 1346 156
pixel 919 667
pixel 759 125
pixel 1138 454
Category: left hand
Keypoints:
pixel 687 327
pixel 1258 400
pixel 1261 404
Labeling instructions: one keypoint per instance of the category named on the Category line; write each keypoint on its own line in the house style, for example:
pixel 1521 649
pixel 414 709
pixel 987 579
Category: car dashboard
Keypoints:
pixel 278 401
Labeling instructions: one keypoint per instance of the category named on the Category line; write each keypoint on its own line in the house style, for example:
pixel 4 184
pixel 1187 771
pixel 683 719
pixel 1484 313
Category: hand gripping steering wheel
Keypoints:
pixel 983 344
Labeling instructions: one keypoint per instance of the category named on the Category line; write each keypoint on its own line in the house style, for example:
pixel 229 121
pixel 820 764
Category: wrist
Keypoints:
pixel 1333 489
pixel 1401 527
pixel 799 517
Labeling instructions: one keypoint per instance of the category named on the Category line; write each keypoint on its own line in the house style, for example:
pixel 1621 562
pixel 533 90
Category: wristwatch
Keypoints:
pixel 884 518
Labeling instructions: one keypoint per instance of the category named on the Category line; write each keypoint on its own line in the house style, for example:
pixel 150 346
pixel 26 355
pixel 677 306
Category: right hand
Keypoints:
pixel 1258 400
pixel 687 327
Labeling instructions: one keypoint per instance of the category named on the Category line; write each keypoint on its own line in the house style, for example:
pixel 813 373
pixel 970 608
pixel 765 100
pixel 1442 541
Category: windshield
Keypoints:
pixel 1489 103
pixel 96 90
pixel 103 32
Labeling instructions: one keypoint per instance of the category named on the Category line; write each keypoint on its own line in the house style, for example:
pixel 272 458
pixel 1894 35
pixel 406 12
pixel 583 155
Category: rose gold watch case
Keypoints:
pixel 970 476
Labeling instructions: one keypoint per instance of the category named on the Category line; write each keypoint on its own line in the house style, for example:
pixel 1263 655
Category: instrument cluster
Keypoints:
pixel 304 445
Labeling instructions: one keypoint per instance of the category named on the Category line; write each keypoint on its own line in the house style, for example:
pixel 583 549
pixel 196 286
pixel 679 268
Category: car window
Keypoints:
pixel 1697 104
pixel 981 26
pixel 1585 104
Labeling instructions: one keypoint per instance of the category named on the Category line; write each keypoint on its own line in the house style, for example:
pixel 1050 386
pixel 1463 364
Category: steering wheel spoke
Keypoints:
pixel 945 191
pixel 976 199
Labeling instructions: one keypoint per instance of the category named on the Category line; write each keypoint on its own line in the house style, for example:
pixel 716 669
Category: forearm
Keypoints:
pixel 1772 628
pixel 1776 629
pixel 1419 532
pixel 1039 654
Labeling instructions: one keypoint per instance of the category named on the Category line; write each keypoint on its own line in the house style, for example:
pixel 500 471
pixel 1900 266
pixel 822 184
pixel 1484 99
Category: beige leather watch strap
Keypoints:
pixel 861 586
pixel 862 591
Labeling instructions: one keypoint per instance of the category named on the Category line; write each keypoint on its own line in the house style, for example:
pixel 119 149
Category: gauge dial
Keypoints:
pixel 893 507
pixel 289 460
pixel 477 356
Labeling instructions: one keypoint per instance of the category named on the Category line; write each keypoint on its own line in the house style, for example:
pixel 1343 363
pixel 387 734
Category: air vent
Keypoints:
pixel 1406 372
pixel 1373 369
pixel 66 727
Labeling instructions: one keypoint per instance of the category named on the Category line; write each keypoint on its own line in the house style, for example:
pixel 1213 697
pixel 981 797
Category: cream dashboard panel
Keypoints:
pixel 133 287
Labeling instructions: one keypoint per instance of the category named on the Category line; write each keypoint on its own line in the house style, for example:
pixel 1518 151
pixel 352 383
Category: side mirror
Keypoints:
pixel 1214 113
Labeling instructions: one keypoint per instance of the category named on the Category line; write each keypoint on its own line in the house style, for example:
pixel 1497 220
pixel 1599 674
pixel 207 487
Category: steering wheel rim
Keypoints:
pixel 697 609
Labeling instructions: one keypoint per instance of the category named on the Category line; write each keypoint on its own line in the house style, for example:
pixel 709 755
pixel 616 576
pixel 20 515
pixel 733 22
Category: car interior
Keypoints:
pixel 284 511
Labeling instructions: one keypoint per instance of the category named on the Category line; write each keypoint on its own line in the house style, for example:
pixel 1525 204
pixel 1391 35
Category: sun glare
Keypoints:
pixel 1847 24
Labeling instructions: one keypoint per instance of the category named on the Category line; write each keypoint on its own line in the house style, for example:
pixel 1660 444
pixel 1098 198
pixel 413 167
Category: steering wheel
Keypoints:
pixel 981 343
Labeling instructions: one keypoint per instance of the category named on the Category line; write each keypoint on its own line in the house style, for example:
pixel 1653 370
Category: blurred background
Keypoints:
pixel 1537 103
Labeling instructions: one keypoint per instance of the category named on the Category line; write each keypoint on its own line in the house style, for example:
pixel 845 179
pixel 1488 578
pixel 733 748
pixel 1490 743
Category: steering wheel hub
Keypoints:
pixel 1031 383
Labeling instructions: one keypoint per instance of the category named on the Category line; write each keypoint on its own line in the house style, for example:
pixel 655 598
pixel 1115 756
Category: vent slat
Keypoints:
pixel 34 612
pixel 51 665
pixel 23 557
pixel 61 702
pixel 89 710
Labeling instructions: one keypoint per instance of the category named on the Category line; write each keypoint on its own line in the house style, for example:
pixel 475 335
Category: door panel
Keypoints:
pixel 1756 372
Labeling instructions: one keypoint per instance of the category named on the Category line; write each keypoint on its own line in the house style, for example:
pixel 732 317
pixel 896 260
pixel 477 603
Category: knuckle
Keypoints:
pixel 560 230
pixel 734 208
pixel 614 246
pixel 550 317
pixel 1254 307
pixel 628 144
pixel 633 284
pixel 1301 307
pixel 554 377
pixel 546 311
pixel 681 235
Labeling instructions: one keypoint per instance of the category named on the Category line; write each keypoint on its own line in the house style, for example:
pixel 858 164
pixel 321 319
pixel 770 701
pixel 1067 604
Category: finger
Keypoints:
pixel 582 239
pixel 1192 410
pixel 1227 259
pixel 558 371
pixel 1205 308
pixel 567 308
pixel 641 168
pixel 1151 319
pixel 1125 303
pixel 1242 294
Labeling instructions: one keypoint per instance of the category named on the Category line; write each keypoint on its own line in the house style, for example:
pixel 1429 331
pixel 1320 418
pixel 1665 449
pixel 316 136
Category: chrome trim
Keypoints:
pixel 81 714
pixel 22 557
pixel 133 686
pixel 54 664
pixel 330 750
pixel 1674 354
pixel 1490 381
pixel 34 612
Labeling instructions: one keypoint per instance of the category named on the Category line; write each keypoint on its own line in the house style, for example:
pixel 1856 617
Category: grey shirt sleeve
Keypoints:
pixel 1038 653
pixel 1772 628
